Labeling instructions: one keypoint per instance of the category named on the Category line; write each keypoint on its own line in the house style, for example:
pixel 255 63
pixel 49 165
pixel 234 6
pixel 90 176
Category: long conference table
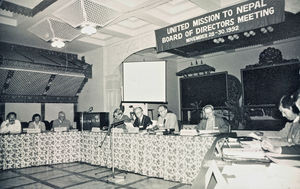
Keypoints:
pixel 175 158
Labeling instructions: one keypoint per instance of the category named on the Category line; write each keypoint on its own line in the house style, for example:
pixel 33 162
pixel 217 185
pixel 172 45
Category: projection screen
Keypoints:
pixel 144 81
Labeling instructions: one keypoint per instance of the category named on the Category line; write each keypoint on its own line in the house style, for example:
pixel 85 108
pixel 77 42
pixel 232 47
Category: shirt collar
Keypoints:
pixel 296 119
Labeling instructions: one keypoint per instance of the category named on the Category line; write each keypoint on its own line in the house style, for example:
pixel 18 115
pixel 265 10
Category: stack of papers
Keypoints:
pixel 244 150
pixel 242 153
pixel 188 132
pixel 96 129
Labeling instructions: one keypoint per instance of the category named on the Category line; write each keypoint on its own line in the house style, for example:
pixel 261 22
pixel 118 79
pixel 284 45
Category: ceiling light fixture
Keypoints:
pixel 246 34
pixel 54 31
pixel 219 40
pixel 263 30
pixel 58 43
pixel 270 28
pixel 216 41
pixel 87 15
pixel 236 36
pixel 230 37
pixel 88 29
pixel 252 33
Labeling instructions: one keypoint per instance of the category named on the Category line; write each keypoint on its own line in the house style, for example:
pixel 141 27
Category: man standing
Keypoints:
pixel 167 120
pixel 62 121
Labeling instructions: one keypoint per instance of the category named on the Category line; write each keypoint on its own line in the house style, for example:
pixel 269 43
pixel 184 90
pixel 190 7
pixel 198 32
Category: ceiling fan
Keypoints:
pixel 73 19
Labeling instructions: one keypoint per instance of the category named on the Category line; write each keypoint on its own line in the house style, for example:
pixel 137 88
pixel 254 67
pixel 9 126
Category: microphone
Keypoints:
pixel 109 130
pixel 117 123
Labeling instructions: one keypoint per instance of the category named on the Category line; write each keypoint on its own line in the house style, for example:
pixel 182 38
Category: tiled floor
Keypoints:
pixel 79 175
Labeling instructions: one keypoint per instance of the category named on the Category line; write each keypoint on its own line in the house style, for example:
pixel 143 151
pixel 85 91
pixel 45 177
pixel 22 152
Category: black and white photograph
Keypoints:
pixel 149 94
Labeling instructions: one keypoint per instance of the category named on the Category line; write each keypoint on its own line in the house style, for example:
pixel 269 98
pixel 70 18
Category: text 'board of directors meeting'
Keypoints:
pixel 227 21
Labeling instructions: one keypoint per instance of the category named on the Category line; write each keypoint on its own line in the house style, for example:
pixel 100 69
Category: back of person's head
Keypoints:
pixel 11 113
pixel 289 102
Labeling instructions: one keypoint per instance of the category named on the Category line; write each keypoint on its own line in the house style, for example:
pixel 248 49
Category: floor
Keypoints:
pixel 79 175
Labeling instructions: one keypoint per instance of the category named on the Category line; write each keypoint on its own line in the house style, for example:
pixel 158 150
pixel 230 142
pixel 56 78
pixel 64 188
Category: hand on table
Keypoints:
pixel 267 145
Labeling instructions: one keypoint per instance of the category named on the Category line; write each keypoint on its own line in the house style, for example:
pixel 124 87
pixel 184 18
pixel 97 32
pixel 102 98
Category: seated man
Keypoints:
pixel 11 124
pixel 118 115
pixel 167 120
pixel 61 121
pixel 290 134
pixel 290 108
pixel 212 121
pixel 142 121
pixel 36 123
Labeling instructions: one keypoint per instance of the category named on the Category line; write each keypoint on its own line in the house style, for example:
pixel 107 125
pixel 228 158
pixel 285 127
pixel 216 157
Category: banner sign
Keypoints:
pixel 238 18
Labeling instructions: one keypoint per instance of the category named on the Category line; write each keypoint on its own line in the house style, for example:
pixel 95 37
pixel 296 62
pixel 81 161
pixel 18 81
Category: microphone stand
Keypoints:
pixel 111 131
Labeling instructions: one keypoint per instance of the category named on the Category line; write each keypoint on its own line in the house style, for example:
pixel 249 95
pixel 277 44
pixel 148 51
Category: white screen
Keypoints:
pixel 144 81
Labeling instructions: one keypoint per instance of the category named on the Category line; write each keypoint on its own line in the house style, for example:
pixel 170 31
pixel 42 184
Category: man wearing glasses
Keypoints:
pixel 212 121
pixel 167 119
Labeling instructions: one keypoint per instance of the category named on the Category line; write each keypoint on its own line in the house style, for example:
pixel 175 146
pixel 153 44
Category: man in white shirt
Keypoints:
pixel 11 125
pixel 167 120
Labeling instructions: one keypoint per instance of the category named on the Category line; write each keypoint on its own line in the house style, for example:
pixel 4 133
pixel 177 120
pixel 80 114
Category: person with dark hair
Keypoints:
pixel 11 124
pixel 212 121
pixel 118 116
pixel 36 123
pixel 288 107
pixel 167 119
pixel 297 96
pixel 62 121
pixel 290 111
pixel 142 121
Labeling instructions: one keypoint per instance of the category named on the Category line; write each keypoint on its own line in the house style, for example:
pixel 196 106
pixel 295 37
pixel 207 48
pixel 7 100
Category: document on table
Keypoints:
pixel 248 176
pixel 246 150
pixel 208 132
pixel 243 153
pixel 285 159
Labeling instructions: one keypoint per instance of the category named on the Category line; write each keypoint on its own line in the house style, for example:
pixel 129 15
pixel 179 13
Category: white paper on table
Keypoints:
pixel 260 176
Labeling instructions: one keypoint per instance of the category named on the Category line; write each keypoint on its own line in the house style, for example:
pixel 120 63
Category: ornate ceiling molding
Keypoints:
pixel 42 60
pixel 24 10
pixel 37 99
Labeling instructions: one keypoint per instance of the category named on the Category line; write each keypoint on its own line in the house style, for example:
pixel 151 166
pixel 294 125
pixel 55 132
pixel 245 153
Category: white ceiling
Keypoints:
pixel 136 18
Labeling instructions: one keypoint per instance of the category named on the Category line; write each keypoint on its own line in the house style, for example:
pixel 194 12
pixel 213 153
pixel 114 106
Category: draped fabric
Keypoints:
pixel 175 158
pixel 26 150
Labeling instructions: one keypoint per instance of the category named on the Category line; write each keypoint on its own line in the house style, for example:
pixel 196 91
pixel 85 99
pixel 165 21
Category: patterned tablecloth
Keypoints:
pixel 176 158
pixel 26 150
